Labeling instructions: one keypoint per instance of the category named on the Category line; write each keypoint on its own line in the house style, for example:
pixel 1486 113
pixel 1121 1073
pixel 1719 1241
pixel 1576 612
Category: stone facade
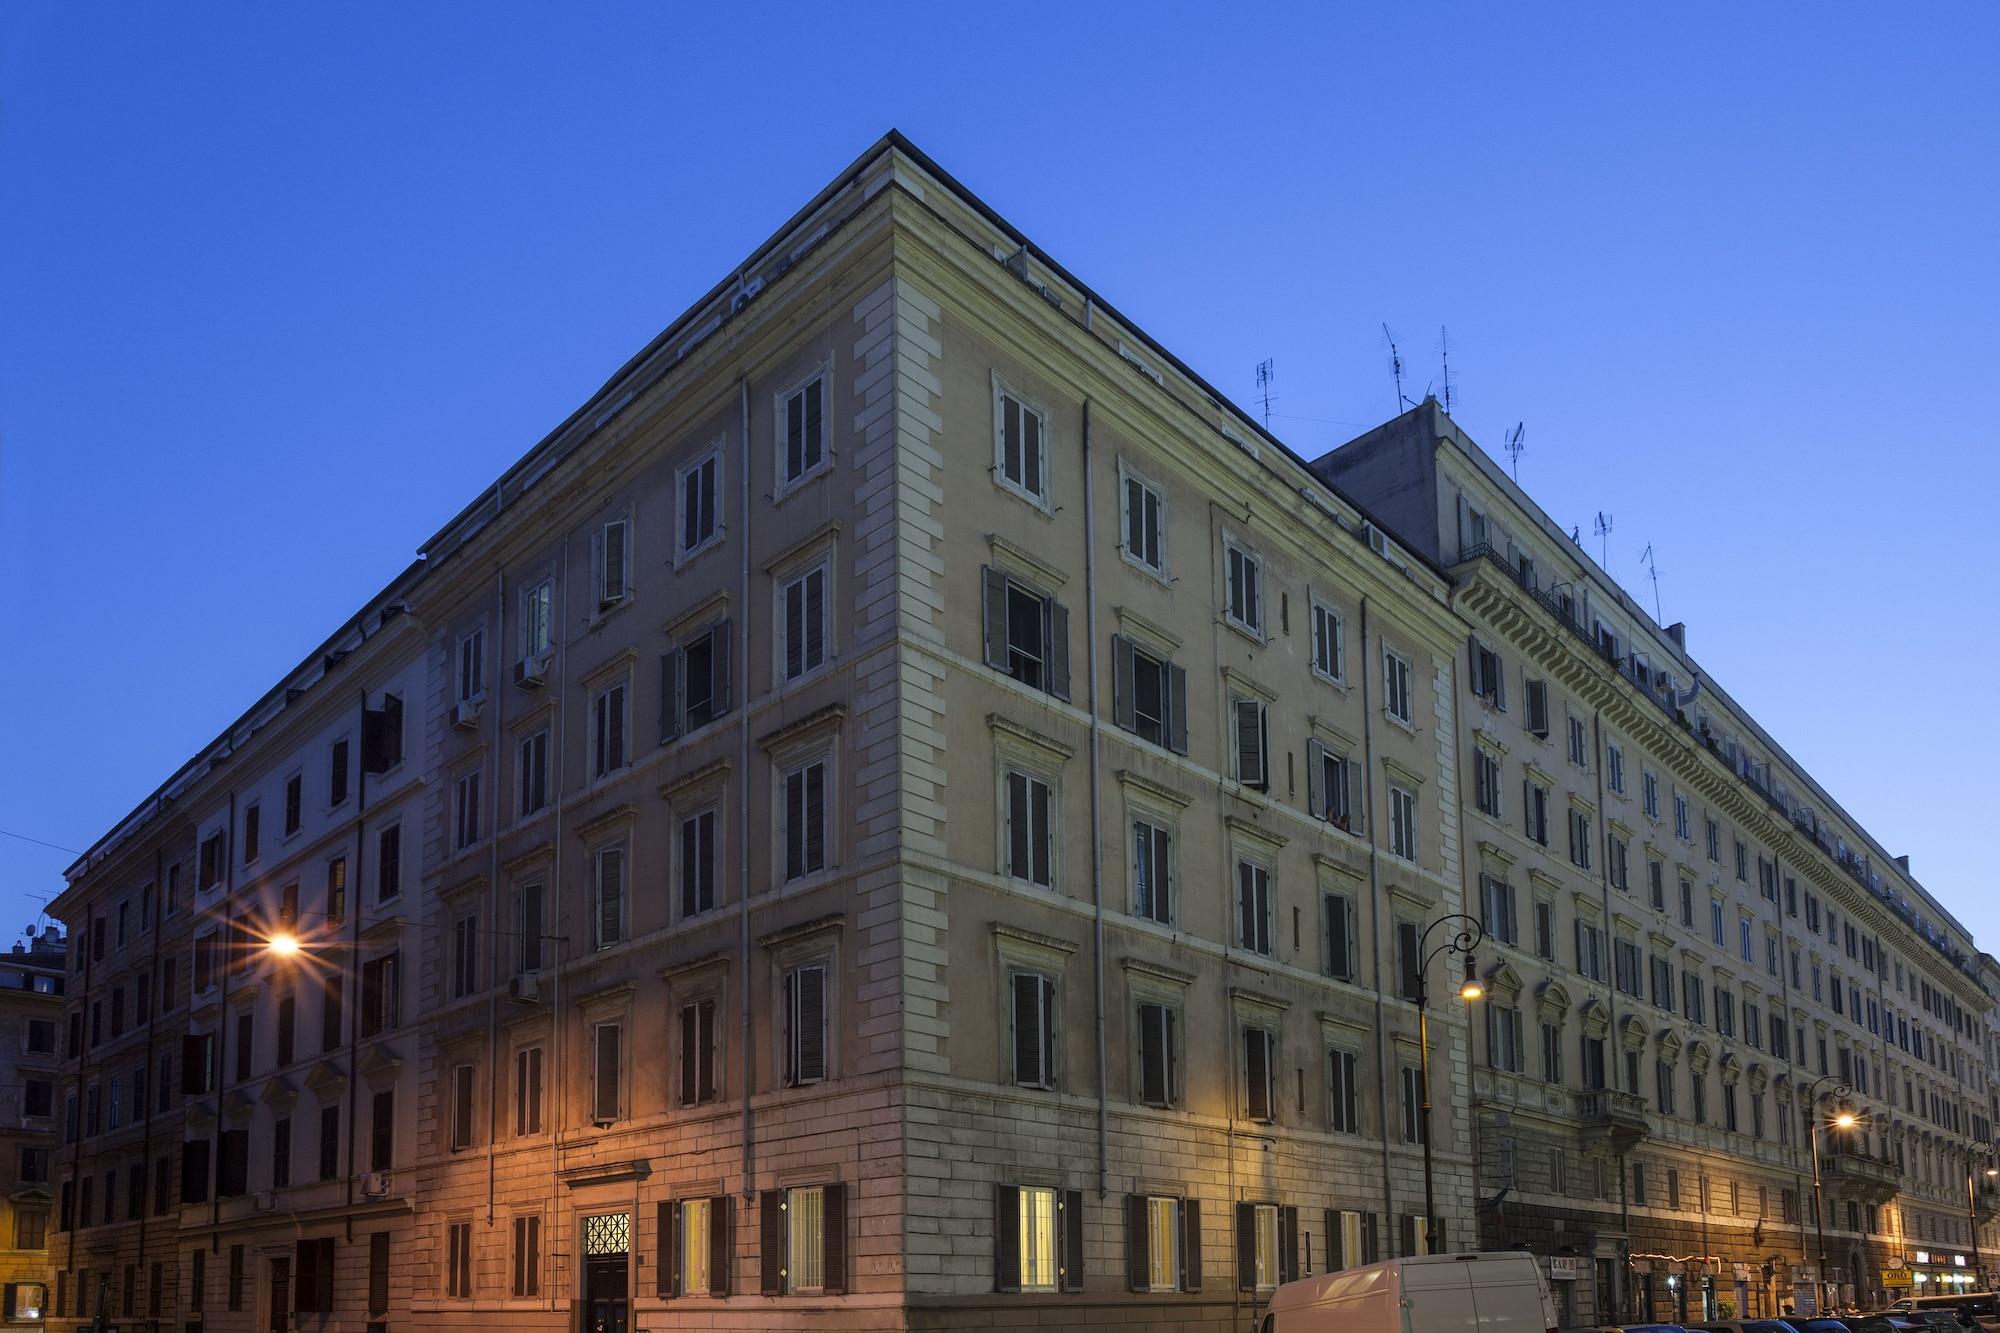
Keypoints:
pixel 906 811
pixel 31 1017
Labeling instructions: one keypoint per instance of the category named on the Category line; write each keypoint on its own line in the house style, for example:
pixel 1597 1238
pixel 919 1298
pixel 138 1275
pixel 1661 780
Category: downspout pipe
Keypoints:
pixel 1096 801
pixel 226 930
pixel 1375 900
pixel 745 989
pixel 350 986
pixel 152 1027
pixel 496 657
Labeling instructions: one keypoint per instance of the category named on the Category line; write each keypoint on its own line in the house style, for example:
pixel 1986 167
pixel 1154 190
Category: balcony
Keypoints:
pixel 1859 1176
pixel 1620 1117
pixel 1988 1204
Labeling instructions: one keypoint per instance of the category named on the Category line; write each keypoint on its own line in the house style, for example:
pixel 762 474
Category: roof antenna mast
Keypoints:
pixel 1653 571
pixel 1603 531
pixel 1516 442
pixel 1444 354
pixel 1395 367
pixel 1266 372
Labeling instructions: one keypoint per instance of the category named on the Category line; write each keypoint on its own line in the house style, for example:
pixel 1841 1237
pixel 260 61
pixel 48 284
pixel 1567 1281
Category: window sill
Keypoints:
pixel 1159 576
pixel 785 490
pixel 1255 636
pixel 1039 503
pixel 1405 723
pixel 683 560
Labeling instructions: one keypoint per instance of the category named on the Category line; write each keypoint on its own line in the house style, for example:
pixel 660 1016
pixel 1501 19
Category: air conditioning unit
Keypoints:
pixel 525 989
pixel 746 294
pixel 465 714
pixel 375 1184
pixel 530 672
pixel 264 1201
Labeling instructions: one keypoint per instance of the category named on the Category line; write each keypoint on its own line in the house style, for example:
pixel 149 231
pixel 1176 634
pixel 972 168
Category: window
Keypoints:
pixel 1343 1093
pixel 1714 835
pixel 1149 695
pixel 458 1259
pixel 253 823
pixel 1621 876
pixel 1538 706
pixel 608 730
pixel 1614 767
pixel 1250 723
pixel 1656 883
pixel 294 817
pixel 389 863
pixel 466 811
pixel 1033 1006
pixel 804 626
pixel 698 1049
pixel 802 432
pixel 803 1231
pixel 1243 572
pixel 336 898
pixel 697 675
pixel 332 989
pixel 1253 907
pixel 1503 1039
pixel 537 618
pixel 1158 1075
pixel 608 892
pixel 1396 700
pixel 1535 801
pixel 805 819
pixel 532 774
pixel 1545 929
pixel 805 1024
pixel 1663 1083
pixel 464 956
pixel 528 1091
pixel 472 667
pixel 1164 1235
pixel 607 1072
pixel 1402 822
pixel 381 995
pixel 1038 1237
pixel 1579 744
pixel 700 494
pixel 1488 676
pixel 1020 445
pixel 461 1107
pixel 329 1143
pixel 1333 787
pixel 1681 818
pixel 1030 835
pixel 527 1258
pixel 1341 944
pixel 1267 1245
pixel 288 1022
pixel 1144 524
pixel 697 864
pixel 1496 909
pixel 1413 1102
pixel 1552 1056
pixel 1152 872
pixel 1649 792
pixel 1329 643
pixel 1579 839
pixel 1026 633
pixel 1260 1075
pixel 611 561
pixel 382 1131
pixel 1486 782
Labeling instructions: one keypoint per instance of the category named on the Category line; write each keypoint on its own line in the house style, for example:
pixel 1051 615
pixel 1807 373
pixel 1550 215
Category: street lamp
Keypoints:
pixel 1972 1213
pixel 1844 1118
pixel 1466 935
pixel 284 944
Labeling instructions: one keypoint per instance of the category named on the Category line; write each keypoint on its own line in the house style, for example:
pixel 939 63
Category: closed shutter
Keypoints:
pixel 1257 1074
pixel 1006 1238
pixel 688 1055
pixel 705 1044
pixel 1123 685
pixel 1030 1063
pixel 1153 1024
pixel 834 1280
pixel 1288 1243
pixel 1190 1245
pixel 1248 716
pixel 1339 936
pixel 1071 1206
pixel 1057 617
pixel 1335 1260
pixel 995 585
pixel 668 1269
pixel 721 1243
pixel 1177 723
pixel 771 1242
pixel 1407 964
pixel 1371 1245
pixel 1246 1247
pixel 1138 1243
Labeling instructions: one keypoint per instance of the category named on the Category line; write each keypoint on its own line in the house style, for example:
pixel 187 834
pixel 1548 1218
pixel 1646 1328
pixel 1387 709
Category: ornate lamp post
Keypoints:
pixel 1972 1214
pixel 1844 1118
pixel 1465 935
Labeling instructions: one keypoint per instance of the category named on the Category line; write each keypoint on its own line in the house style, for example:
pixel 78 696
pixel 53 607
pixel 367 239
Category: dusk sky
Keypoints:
pixel 283 287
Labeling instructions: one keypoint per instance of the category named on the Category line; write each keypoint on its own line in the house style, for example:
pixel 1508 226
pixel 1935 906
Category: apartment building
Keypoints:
pixel 907 810
pixel 1698 955
pixel 31 986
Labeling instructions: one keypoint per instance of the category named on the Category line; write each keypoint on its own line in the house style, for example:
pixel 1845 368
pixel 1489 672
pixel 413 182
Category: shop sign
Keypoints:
pixel 1895 1277
pixel 1565 1267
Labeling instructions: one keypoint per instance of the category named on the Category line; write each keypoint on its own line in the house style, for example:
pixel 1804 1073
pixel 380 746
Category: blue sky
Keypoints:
pixel 282 287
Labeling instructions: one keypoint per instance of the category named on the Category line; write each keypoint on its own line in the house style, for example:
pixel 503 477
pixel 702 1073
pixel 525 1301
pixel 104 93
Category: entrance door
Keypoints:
pixel 281 1295
pixel 607 1258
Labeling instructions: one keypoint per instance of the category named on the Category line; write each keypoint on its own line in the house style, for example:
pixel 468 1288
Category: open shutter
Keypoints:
pixel 1123 667
pixel 996 617
pixel 721 1243
pixel 1246 1247
pixel 1352 770
pixel 1288 1244
pixel 1474 675
pixel 771 1242
pixel 673 688
pixel 1071 1207
pixel 1177 724
pixel 1315 779
pixel 1138 1243
pixel 1190 1245
pixel 1339 936
pixel 1006 1238
pixel 1371 1245
pixel 834 1281
pixel 718 667
pixel 1057 616
pixel 1335 1260
pixel 668 1270
pixel 1027 1029
pixel 812 1023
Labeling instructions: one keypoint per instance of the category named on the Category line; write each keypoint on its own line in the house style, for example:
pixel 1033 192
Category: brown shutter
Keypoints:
pixel 668 1268
pixel 721 1242
pixel 1335 1260
pixel 1006 1238
pixel 1071 1277
pixel 1138 1243
pixel 1371 1249
pixel 1246 1247
pixel 1288 1243
pixel 771 1242
pixel 1190 1245
pixel 835 1281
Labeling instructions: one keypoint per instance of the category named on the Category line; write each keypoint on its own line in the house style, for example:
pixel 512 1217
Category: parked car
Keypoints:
pixel 1944 1320
pixel 1745 1326
pixel 1433 1293
pixel 1964 1306
pixel 1883 1323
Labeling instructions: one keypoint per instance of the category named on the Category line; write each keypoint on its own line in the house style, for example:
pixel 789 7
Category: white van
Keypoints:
pixel 1433 1293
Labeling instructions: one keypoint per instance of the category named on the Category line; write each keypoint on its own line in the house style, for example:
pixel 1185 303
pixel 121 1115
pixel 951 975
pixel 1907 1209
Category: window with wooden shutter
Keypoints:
pixel 613 563
pixel 668 1279
pixel 697 863
pixel 804 603
pixel 802 431
pixel 461 1107
pixel 1250 728
pixel 1025 633
pixel 608 730
pixel 1157 1056
pixel 1259 1077
pixel 1343 1093
pixel 1338 909
pixel 1020 446
pixel 1034 1029
pixel 609 913
pixel 527 1255
pixel 607 1072
pixel 1006 1238
pixel 1253 907
pixel 805 1024
pixel 1152 872
pixel 698 1047
pixel 805 819
pixel 771 1236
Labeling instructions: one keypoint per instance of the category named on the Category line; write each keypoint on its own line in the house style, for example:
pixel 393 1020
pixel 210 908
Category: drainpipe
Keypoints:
pixel 1096 796
pixel 743 778
pixel 350 999
pixel 152 1026
pixel 222 1033
pixel 1611 938
pixel 554 909
pixel 1375 910
pixel 82 1074
pixel 493 883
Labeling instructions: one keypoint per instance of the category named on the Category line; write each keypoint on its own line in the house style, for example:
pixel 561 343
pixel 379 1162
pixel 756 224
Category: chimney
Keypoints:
pixel 1904 862
pixel 1678 632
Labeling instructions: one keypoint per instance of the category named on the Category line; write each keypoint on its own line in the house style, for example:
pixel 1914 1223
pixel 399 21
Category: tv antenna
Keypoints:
pixel 1653 572
pixel 1603 531
pixel 1266 372
pixel 1516 442
pixel 1444 354
pixel 1395 367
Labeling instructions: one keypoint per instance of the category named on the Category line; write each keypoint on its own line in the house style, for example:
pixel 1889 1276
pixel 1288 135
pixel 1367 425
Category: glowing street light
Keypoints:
pixel 284 944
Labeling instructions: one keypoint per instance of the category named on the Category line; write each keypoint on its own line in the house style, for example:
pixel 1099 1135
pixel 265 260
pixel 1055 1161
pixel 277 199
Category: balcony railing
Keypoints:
pixel 1873 1178
pixel 1620 1115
